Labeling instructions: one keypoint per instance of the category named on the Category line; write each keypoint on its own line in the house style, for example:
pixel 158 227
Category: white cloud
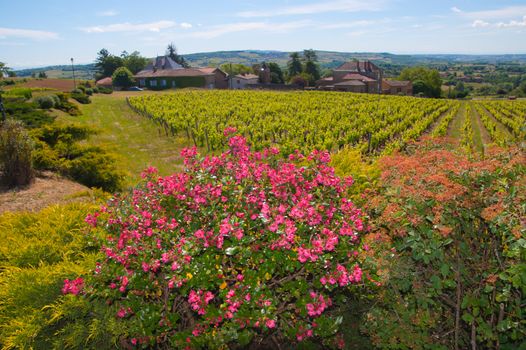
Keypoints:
pixel 108 13
pixel 512 24
pixel 456 9
pixel 353 24
pixel 185 25
pixel 479 23
pixel 129 27
pixel 502 13
pixel 220 30
pixel 318 7
pixel 27 34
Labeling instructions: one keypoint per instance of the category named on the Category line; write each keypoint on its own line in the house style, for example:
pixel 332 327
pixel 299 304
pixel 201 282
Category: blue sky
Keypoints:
pixel 36 33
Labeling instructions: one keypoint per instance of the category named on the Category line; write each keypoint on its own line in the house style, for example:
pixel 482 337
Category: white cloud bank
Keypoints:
pixel 319 7
pixel 130 27
pixel 220 30
pixel 27 34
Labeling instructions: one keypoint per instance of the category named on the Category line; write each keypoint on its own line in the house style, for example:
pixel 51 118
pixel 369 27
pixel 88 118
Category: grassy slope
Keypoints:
pixel 135 140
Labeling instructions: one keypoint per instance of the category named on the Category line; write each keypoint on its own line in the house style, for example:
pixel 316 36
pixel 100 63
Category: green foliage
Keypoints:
pixel 456 274
pixel 47 102
pixel 350 162
pixel 105 90
pixel 38 251
pixel 66 106
pixel 27 113
pixel 235 68
pixel 106 64
pixel 311 66
pixel 80 97
pixel 19 92
pixel 16 164
pixel 426 81
pixel 57 149
pixel 134 61
pixel 122 77
pixel 171 51
pixel 276 74
pixel 94 167
pixel 294 65
pixel 180 82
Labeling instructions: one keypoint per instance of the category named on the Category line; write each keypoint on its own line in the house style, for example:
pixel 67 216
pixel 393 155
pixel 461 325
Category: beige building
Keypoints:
pixel 354 76
pixel 241 81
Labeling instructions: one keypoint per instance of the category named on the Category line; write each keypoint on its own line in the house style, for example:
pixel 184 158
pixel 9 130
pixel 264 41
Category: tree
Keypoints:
pixel 4 70
pixel 429 77
pixel 122 77
pixel 311 66
pixel 235 68
pixel 42 75
pixel 171 51
pixel 134 61
pixel 276 74
pixel 107 63
pixel 294 64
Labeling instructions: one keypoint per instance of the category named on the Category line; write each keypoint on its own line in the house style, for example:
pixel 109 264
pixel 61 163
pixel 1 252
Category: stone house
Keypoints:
pixel 354 76
pixel 165 73
pixel 397 87
pixel 241 81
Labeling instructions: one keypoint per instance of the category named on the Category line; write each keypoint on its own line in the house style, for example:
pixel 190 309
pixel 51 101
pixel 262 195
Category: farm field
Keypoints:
pixel 324 120
pixel 49 83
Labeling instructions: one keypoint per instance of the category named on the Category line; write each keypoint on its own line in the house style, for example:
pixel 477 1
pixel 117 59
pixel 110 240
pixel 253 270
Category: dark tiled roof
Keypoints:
pixel 163 62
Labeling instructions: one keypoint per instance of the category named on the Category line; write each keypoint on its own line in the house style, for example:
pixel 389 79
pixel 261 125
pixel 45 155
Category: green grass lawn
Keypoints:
pixel 135 141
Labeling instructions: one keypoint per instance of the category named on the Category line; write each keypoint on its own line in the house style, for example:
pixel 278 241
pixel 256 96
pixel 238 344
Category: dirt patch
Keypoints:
pixel 48 189
pixel 58 84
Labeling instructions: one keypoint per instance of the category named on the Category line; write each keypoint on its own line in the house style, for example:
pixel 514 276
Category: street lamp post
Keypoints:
pixel 73 68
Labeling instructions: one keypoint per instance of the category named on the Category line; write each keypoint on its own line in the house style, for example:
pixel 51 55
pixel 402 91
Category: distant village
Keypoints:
pixel 163 72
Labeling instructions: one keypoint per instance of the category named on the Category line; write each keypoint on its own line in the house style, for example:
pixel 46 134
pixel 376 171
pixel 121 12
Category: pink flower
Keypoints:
pixel 270 323
pixel 73 287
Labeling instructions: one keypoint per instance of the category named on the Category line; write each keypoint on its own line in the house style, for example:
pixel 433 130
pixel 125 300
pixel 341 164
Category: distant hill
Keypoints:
pixel 82 71
pixel 328 59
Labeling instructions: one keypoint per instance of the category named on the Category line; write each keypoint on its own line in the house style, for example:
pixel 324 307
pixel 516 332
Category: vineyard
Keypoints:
pixel 324 120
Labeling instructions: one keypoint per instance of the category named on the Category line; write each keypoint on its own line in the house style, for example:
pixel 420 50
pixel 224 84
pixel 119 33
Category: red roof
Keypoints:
pixel 356 76
pixel 359 66
pixel 105 81
pixel 208 70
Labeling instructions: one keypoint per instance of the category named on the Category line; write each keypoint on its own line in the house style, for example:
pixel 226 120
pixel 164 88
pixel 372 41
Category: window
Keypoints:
pixel 163 82
pixel 173 83
pixel 141 82
pixel 153 83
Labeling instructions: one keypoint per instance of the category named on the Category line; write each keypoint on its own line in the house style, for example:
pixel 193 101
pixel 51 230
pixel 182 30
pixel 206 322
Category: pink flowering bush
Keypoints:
pixel 240 249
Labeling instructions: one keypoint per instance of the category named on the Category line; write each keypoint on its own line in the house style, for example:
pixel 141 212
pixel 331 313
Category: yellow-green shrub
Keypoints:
pixel 349 162
pixel 39 251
